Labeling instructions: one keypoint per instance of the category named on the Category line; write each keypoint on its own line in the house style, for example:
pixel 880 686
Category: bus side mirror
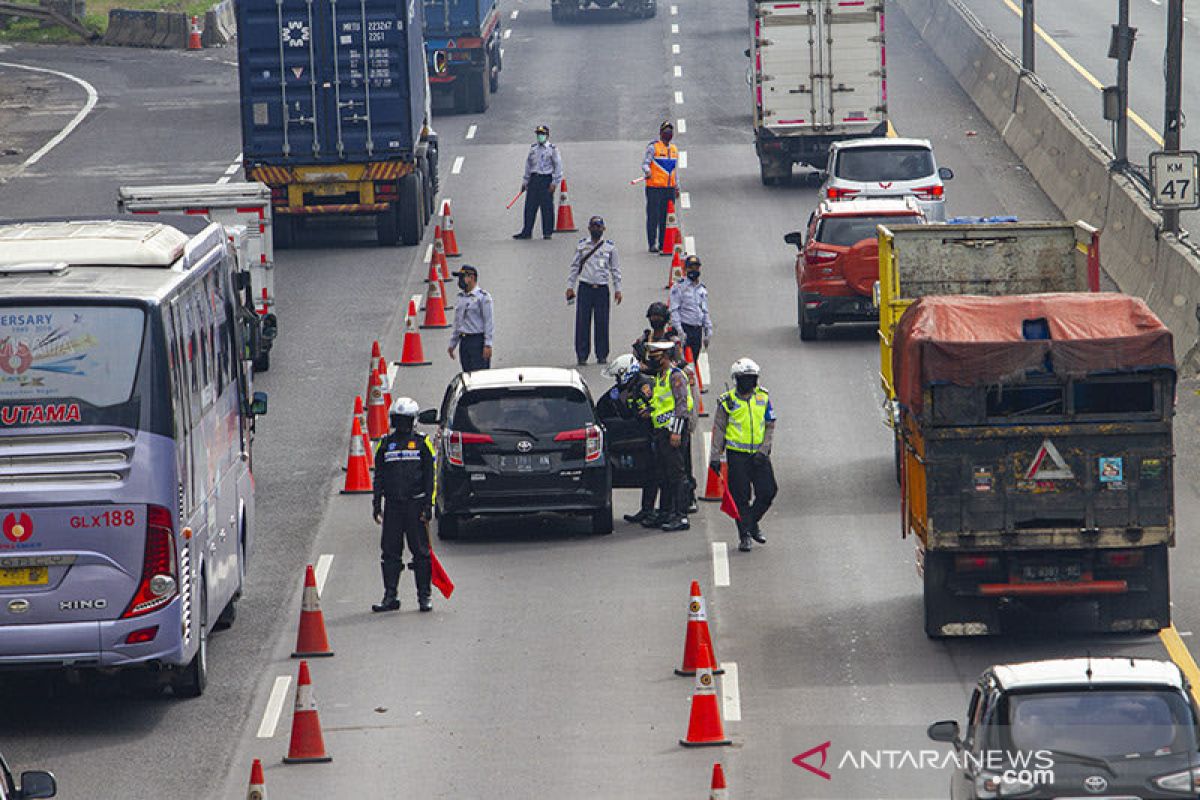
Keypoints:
pixel 37 784
pixel 258 405
pixel 428 417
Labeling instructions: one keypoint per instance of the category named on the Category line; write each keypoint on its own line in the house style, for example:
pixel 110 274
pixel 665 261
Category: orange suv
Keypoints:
pixel 838 262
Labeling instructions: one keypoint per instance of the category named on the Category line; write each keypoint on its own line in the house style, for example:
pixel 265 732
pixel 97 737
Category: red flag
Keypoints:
pixel 439 577
pixel 727 504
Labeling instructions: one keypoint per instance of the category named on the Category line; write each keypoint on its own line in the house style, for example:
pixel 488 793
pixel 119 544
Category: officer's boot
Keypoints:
pixel 391 576
pixel 422 575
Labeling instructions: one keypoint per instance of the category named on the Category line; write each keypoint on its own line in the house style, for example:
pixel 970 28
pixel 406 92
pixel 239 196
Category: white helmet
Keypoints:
pixel 404 407
pixel 743 366
pixel 619 365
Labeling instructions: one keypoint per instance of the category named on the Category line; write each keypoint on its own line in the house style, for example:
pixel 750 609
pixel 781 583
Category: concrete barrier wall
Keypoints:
pixel 146 29
pixel 220 25
pixel 1070 165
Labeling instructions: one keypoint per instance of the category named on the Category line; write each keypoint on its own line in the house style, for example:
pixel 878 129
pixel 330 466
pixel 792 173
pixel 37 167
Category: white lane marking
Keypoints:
pixel 324 562
pixel 674 49
pixel 689 245
pixel 674 27
pixel 502 52
pixel 720 556
pixel 392 373
pixel 57 139
pixel 224 179
pixel 731 697
pixel 471 131
pixel 683 159
pixel 428 254
pixel 702 365
pixel 1156 2
pixel 508 31
pixel 674 10
pixel 270 719
pixel 681 125
pixel 457 168
pixel 1185 633
pixel 685 200
pixel 233 168
pixel 678 71
pixel 513 15
pixel 679 98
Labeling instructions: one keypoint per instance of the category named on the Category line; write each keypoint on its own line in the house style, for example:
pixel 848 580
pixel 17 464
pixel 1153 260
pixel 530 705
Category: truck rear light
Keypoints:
pixel 974 563
pixel 279 195
pixel 387 191
pixel 456 440
pixel 835 193
pixel 930 192
pixel 591 434
pixel 158 585
pixel 142 635
pixel 1124 559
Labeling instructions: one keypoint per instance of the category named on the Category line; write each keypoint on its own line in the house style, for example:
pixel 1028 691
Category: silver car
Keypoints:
pixel 887 167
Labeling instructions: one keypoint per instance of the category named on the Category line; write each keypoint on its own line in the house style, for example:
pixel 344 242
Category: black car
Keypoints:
pixel 1073 728
pixel 33 784
pixel 527 440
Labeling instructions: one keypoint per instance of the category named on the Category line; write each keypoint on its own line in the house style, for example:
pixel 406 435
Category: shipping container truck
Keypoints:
pixel 818 74
pixel 244 209
pixel 1038 457
pixel 333 100
pixel 462 45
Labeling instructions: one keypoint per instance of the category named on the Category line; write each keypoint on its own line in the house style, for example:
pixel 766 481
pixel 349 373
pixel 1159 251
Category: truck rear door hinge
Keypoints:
pixel 765 78
pixel 841 87
pixel 800 90
pixel 763 42
pixel 875 39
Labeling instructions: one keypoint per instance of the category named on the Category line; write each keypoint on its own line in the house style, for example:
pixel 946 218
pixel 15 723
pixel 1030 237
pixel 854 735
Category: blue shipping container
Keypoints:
pixel 330 82
pixel 456 17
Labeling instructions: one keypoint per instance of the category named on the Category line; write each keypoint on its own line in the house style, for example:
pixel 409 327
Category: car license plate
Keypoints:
pixel 520 463
pixel 24 576
pixel 1050 573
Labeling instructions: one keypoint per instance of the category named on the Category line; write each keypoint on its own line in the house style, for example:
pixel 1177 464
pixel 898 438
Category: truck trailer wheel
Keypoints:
pixel 409 210
pixel 387 227
pixel 283 231
pixel 479 88
pixel 774 171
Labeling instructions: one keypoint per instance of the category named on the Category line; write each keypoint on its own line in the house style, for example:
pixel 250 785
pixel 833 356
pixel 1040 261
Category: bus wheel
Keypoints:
pixel 191 680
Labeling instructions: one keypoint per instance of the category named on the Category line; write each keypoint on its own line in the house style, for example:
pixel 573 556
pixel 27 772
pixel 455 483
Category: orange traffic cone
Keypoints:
pixel 675 271
pixel 307 745
pixel 430 278
pixel 673 235
pixel 565 222
pixel 194 36
pixel 714 488
pixel 387 387
pixel 258 785
pixel 694 374
pixel 311 641
pixel 697 634
pixel 413 354
pixel 719 791
pixel 449 240
pixel 358 463
pixel 435 307
pixel 700 410
pixel 377 421
pixel 439 254
pixel 704 724
pixel 376 354
pixel 360 414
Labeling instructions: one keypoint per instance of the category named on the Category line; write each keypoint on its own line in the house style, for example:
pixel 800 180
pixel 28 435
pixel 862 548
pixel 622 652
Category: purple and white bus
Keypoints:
pixel 126 421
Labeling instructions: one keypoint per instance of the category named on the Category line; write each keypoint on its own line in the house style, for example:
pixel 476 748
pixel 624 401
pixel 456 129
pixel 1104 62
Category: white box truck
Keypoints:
pixel 818 72
pixel 244 209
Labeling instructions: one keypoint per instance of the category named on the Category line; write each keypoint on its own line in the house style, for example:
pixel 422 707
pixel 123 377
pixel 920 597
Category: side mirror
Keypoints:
pixel 945 173
pixel 258 405
pixel 945 731
pixel 746 52
pixel 37 784
pixel 270 328
pixel 428 417
pixel 796 238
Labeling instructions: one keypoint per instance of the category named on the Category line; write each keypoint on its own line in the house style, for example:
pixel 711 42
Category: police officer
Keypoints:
pixel 626 407
pixel 404 478
pixel 660 330
pixel 659 167
pixel 689 308
pixel 595 266
pixel 472 322
pixel 743 428
pixel 671 409
pixel 543 171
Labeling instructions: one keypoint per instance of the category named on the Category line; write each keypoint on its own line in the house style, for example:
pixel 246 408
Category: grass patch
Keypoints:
pixel 96 19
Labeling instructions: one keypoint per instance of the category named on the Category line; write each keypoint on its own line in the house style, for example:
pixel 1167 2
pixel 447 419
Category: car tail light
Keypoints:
pixel 834 193
pixel 158 585
pixel 816 257
pixel 975 563
pixel 930 192
pixel 142 635
pixel 1124 559
pixel 456 440
pixel 591 434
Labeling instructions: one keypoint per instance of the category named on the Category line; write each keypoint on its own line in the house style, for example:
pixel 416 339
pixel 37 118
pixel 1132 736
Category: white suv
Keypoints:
pixel 887 167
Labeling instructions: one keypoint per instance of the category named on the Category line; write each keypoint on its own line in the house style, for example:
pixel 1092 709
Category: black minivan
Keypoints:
pixel 526 440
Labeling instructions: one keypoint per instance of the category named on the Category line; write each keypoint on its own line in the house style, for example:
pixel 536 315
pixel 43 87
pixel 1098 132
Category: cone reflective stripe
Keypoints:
pixel 311 641
pixel 358 463
pixel 704 725
pixel 195 40
pixel 439 254
pixel 307 744
pixel 697 634
pixel 449 240
pixel 382 369
pixel 377 422
pixel 433 277
pixel 376 354
pixel 565 222
pixel 413 354
pixel 719 790
pixel 258 785
pixel 435 307
pixel 675 271
pixel 672 236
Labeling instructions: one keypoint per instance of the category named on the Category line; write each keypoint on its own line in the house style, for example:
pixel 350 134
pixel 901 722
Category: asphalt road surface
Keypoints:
pixel 549 673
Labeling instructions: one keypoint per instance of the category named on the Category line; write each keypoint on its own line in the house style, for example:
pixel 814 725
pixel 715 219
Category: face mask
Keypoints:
pixel 462 283
pixel 746 383
pixel 666 136
pixel 657 322
pixel 596 233
pixel 402 424
pixel 694 274
pixel 541 137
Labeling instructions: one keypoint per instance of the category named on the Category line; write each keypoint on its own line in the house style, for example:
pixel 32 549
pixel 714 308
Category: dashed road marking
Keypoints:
pixel 507 32
pixel 270 719
pixel 675 49
pixel 685 200
pixel 702 365
pixel 502 52
pixel 428 254
pixel 514 14
pixel 674 10
pixel 457 168
pixel 720 556
pixel 689 245
pixel 224 179
pixel 674 27
pixel 471 131
pixel 731 697
pixel 678 71
pixel 681 125
pixel 679 98
pixel 324 562
pixel 683 159
pixel 57 139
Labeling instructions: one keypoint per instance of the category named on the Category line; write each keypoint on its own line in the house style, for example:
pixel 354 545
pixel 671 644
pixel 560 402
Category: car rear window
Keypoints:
pixel 871 164
pixel 845 231
pixel 1102 723
pixel 538 410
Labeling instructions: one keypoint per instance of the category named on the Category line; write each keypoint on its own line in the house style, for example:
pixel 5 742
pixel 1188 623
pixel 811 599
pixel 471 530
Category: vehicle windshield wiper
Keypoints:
pixel 1095 761
pixel 518 431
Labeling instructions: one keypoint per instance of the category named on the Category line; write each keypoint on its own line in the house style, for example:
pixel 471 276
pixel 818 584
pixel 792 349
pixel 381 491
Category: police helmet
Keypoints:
pixel 404 407
pixel 620 365
pixel 744 366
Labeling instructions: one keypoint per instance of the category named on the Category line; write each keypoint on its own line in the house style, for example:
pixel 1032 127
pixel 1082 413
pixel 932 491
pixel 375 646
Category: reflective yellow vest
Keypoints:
pixel 747 423
pixel 662 404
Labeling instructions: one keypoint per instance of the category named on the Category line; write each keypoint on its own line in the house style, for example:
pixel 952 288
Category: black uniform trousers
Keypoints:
pixel 591 308
pixel 747 473
pixel 656 214
pixel 402 523
pixel 470 352
pixel 672 472
pixel 539 196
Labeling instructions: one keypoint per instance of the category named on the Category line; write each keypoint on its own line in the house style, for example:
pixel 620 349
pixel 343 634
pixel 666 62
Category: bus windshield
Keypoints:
pixel 87 353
